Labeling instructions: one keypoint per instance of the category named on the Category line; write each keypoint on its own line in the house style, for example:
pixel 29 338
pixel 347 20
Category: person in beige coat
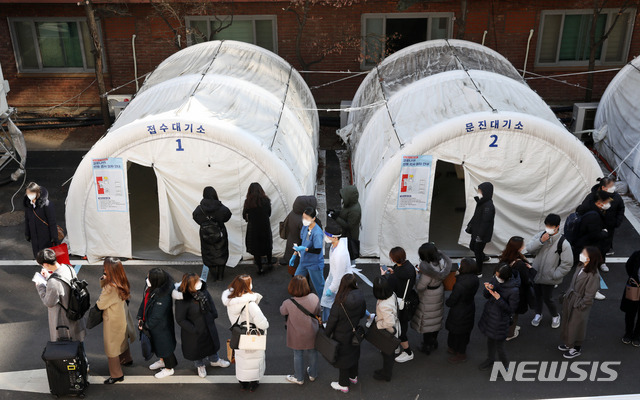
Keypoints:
pixel 578 300
pixel 386 318
pixel 118 327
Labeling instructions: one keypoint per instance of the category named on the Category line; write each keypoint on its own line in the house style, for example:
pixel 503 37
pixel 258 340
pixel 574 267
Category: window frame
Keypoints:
pixel 421 15
pixel 44 70
pixel 253 18
pixel 610 12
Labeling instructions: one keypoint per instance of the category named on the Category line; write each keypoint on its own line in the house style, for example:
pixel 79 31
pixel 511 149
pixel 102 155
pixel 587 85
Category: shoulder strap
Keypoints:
pixel 37 216
pixel 206 216
pixel 406 289
pixel 560 243
pixel 239 314
pixel 304 310
pixel 345 313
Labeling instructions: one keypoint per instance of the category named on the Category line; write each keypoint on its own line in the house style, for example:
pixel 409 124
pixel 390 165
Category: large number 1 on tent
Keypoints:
pixel 494 143
pixel 179 145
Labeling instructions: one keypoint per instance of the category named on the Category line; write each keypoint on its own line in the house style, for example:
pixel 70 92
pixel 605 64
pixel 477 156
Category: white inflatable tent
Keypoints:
pixel 220 113
pixel 465 104
pixel 617 125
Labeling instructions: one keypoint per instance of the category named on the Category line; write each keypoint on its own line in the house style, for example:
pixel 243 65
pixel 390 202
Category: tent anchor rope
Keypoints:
pixel 386 106
pixel 284 102
pixel 466 70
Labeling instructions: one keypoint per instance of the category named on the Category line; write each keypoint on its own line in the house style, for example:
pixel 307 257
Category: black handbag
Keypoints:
pixel 237 330
pixel 326 345
pixel 382 339
pixel 95 317
pixel 145 345
pixel 358 333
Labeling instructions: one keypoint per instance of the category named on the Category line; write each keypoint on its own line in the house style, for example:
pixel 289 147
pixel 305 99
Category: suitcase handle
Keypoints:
pixel 68 332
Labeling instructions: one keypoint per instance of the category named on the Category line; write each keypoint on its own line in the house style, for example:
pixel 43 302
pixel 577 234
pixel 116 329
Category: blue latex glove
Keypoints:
pixel 299 249
pixel 292 261
pixel 328 293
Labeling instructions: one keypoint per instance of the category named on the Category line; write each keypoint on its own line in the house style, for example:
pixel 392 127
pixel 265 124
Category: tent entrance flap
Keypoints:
pixel 144 216
pixel 448 204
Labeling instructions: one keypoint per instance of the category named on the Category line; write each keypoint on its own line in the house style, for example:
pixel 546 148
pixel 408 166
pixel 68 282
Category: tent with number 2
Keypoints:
pixel 221 114
pixel 457 103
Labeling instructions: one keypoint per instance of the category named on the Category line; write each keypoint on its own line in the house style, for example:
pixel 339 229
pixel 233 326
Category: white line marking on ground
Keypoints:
pixel 35 380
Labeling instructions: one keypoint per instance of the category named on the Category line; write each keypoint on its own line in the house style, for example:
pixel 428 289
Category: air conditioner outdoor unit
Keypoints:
pixel 584 114
pixel 117 103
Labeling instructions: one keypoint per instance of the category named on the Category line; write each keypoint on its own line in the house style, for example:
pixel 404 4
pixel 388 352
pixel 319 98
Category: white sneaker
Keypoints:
pixel 600 296
pixel 370 320
pixel 220 363
pixel 157 365
pixel 398 350
pixel 202 371
pixel 604 268
pixel 336 386
pixel 404 357
pixel 572 353
pixel 536 320
pixel 516 333
pixel 555 322
pixel 293 379
pixel 165 372
pixel 311 378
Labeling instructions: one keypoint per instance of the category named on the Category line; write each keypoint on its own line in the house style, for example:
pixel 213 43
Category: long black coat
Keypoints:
pixel 293 222
pixel 259 240
pixel 481 224
pixel 36 230
pixel 590 231
pixel 158 319
pixel 632 266
pixel 339 328
pixel 214 253
pixel 614 216
pixel 462 304
pixel 496 316
pixel 198 325
pixel 521 276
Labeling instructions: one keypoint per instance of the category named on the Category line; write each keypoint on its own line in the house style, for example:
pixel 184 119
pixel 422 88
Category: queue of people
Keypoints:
pixel 406 295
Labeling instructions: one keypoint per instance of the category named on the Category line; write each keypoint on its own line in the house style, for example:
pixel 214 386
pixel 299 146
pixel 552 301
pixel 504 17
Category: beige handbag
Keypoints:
pixel 254 338
pixel 632 290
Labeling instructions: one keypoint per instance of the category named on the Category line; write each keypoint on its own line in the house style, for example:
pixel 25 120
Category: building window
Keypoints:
pixel 255 29
pixel 564 37
pixel 384 34
pixel 52 45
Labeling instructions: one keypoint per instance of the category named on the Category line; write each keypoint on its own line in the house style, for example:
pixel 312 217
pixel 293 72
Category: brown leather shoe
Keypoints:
pixel 458 358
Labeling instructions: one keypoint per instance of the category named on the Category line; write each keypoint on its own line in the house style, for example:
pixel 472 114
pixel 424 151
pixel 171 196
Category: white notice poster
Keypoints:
pixel 415 175
pixel 111 193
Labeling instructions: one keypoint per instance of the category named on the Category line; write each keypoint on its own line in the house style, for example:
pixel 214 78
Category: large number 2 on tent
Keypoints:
pixel 179 145
pixel 494 143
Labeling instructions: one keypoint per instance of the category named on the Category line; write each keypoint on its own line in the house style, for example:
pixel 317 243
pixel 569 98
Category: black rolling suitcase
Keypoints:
pixel 67 366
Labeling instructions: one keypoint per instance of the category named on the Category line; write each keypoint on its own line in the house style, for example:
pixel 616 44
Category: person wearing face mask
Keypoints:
pixel 522 272
pixel 593 229
pixel 155 315
pixel 310 250
pixel 480 227
pixel 240 298
pixel 339 265
pixel 290 229
pixel 578 300
pixel 196 315
pixel 614 215
pixel 553 260
pixel 502 301
pixel 259 240
pixel 40 224
pixel 118 327
pixel 462 310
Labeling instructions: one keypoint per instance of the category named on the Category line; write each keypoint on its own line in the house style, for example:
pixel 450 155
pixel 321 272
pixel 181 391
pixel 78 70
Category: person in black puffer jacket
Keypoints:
pixel 502 301
pixel 480 227
pixel 462 311
pixel 215 250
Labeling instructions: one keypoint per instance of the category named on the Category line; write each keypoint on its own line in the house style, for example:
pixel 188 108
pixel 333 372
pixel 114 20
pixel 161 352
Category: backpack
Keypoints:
pixel 210 230
pixel 559 248
pixel 79 298
pixel 572 226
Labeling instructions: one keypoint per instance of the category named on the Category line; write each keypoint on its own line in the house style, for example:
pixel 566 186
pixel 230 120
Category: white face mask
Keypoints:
pixel 327 239
pixel 479 195
pixel 251 286
pixel 148 282
pixel 583 258
pixel 31 196
pixel 550 231
pixel 500 280
pixel 306 222
pixel 199 285
pixel 612 189
pixel 523 250
pixel 606 206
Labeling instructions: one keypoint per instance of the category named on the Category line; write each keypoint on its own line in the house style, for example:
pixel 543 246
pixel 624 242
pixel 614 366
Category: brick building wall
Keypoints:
pixel 507 25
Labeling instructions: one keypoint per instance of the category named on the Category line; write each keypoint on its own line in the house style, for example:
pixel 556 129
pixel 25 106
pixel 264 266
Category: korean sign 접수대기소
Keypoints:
pixel 111 193
pixel 415 176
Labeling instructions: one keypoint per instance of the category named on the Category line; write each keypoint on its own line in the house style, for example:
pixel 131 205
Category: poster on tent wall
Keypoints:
pixel 111 193
pixel 415 174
